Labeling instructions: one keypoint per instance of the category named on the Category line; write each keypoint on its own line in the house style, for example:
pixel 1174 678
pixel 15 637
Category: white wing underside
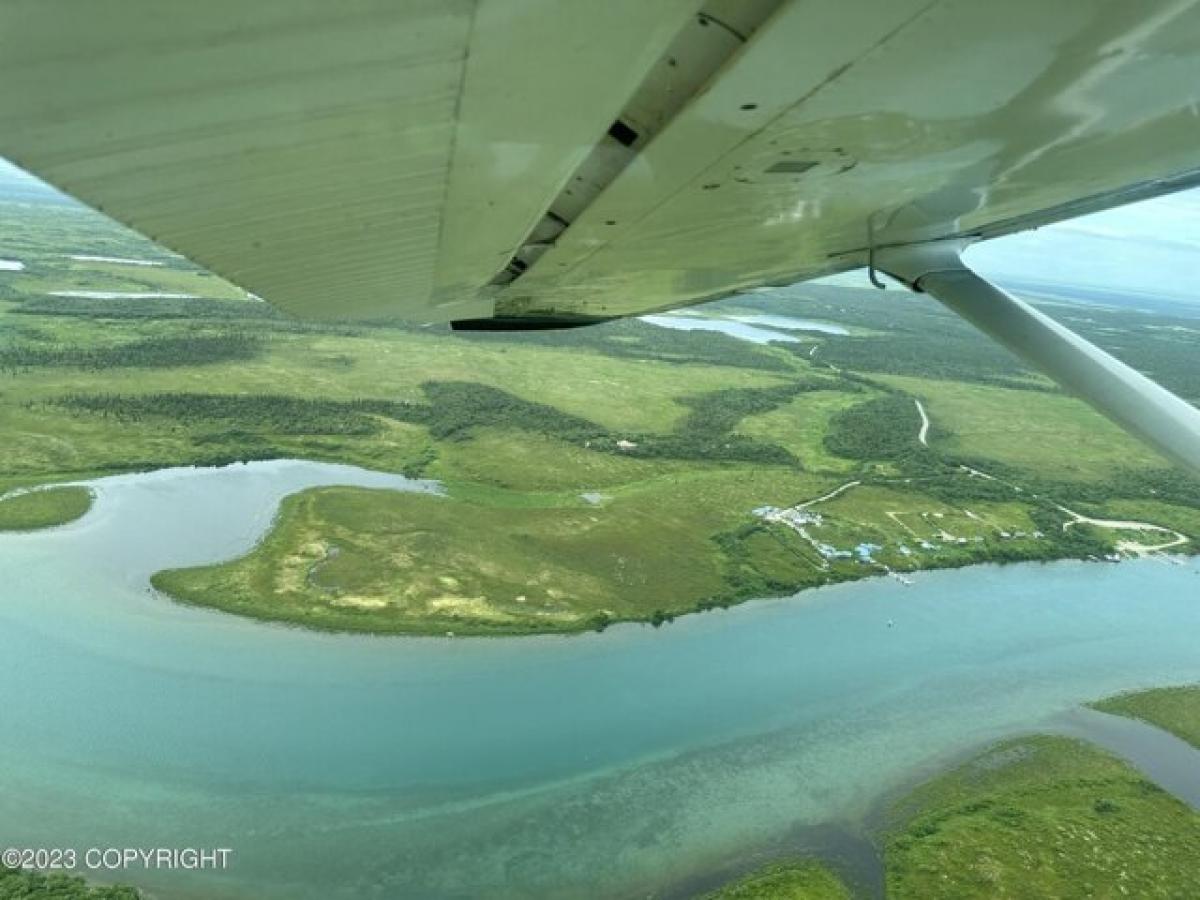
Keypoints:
pixel 446 159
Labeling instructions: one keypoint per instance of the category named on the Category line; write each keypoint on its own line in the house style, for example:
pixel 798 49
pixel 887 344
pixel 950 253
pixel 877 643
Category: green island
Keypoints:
pixel 1174 709
pixel 1038 816
pixel 43 508
pixel 1043 816
pixel 626 472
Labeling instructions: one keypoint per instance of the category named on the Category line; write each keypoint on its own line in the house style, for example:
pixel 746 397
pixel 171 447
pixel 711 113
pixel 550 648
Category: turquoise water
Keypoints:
pixel 612 764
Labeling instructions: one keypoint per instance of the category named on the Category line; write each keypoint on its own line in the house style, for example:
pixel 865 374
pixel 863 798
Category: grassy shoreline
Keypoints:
pixel 1041 816
pixel 33 509
pixel 1031 816
pixel 1174 709
pixel 248 585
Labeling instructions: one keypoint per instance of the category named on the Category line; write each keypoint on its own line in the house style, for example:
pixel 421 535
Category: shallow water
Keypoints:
pixel 339 766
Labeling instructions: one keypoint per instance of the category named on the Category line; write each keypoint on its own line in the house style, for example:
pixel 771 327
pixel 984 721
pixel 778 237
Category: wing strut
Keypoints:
pixel 1133 401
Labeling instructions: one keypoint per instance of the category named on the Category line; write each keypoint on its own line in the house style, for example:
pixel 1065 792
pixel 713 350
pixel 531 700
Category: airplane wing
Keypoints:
pixel 532 162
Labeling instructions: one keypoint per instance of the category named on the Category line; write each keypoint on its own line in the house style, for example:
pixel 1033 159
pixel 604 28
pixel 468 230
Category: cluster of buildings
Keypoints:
pixel 799 519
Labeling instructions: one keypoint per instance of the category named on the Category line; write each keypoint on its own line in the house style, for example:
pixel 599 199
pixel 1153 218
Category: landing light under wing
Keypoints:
pixel 550 161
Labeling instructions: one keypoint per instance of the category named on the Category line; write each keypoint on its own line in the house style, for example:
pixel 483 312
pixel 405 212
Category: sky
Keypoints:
pixel 1152 247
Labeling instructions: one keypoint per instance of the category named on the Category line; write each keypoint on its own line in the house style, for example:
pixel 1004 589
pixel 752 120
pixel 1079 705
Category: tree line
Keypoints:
pixel 883 428
pixel 635 339
pixel 147 353
pixel 455 409
pixel 195 309
pixel 719 412
pixel 276 413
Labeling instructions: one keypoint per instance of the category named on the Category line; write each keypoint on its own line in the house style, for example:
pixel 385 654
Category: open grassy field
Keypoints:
pixel 801 426
pixel 1173 709
pixel 1042 817
pixel 43 508
pixel 1054 435
pixel 622 472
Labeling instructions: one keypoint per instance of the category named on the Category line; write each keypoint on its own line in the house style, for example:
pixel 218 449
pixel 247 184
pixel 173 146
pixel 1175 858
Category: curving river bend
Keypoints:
pixel 617 764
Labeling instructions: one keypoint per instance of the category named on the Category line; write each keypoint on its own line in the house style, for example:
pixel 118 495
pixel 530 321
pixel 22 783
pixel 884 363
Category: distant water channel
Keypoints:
pixel 627 763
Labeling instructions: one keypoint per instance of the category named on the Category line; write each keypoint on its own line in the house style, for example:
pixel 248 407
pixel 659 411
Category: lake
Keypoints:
pixel 755 328
pixel 624 763
pixel 792 323
pixel 742 330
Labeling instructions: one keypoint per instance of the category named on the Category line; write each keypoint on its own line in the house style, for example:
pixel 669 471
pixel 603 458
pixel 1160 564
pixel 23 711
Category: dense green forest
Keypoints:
pixel 147 353
pixel 883 428
pixel 277 413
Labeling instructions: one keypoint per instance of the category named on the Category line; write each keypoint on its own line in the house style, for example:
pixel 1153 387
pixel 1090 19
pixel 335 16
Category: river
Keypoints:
pixel 614 764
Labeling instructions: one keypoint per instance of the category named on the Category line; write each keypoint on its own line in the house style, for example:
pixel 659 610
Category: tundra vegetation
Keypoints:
pixel 621 472
pixel 1043 816
pixel 1173 709
pixel 1038 816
